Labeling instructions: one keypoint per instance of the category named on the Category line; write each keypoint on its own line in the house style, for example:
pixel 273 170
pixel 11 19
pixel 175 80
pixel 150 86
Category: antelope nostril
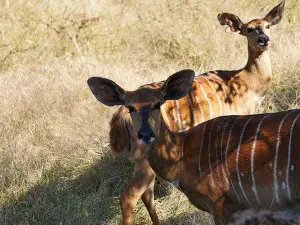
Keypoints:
pixel 146 138
pixel 264 41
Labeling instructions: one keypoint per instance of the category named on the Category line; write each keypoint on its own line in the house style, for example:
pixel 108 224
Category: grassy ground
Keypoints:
pixel 55 163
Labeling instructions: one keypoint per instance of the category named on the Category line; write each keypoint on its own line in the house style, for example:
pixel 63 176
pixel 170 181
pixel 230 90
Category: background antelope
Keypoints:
pixel 223 165
pixel 214 93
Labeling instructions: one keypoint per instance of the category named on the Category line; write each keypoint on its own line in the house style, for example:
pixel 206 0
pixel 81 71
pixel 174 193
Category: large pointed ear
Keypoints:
pixel 232 21
pixel 275 15
pixel 107 91
pixel 178 85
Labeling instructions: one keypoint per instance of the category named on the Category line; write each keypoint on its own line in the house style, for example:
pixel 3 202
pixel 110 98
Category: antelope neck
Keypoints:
pixel 165 154
pixel 259 62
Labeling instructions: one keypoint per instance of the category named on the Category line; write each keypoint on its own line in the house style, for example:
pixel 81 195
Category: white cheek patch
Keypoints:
pixel 152 140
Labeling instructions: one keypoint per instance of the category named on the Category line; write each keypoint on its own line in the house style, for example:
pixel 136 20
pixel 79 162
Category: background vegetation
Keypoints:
pixel 55 163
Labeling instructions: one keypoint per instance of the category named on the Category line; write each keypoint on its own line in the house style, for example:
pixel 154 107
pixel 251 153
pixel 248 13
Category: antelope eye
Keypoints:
pixel 249 29
pixel 130 108
pixel 157 105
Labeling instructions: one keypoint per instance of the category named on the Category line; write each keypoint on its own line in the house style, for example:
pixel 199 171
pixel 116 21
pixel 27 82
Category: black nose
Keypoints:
pixel 147 138
pixel 263 41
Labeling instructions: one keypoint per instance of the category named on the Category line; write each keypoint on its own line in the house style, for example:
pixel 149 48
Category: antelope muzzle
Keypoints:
pixel 145 134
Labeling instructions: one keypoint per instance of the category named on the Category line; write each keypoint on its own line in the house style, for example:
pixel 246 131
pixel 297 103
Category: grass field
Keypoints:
pixel 55 163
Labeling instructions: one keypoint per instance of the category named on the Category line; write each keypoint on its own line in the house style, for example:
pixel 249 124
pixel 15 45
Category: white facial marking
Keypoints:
pixel 252 158
pixel 237 160
pixel 276 193
pixel 289 159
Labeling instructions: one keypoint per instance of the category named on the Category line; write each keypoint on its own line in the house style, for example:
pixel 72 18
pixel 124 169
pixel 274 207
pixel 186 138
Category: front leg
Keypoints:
pixel 148 199
pixel 140 185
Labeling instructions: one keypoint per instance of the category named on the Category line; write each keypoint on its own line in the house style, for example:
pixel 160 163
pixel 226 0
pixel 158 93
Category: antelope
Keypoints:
pixel 223 165
pixel 214 93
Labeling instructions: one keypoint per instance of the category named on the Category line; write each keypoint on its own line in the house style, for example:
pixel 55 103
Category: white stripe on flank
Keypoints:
pixel 226 106
pixel 199 105
pixel 237 160
pixel 241 97
pixel 225 158
pixel 252 158
pixel 164 113
pixel 289 159
pixel 216 146
pixel 202 141
pixel 276 194
pixel 178 114
pixel 173 112
pixel 212 87
pixel 222 136
pixel 194 119
pixel 209 147
pixel 207 99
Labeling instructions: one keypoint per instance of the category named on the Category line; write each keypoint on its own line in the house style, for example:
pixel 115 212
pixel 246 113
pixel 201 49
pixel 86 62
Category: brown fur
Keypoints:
pixel 120 128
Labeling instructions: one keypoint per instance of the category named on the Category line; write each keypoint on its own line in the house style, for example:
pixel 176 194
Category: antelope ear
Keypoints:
pixel 178 85
pixel 107 91
pixel 232 21
pixel 275 15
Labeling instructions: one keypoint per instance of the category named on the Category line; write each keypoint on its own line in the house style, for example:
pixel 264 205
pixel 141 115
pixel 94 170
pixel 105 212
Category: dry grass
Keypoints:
pixel 55 164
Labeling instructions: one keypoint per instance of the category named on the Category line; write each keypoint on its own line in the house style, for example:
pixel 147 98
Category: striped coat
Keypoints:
pixel 233 162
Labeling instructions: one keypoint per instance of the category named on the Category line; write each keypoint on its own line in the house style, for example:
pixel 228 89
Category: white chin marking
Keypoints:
pixel 152 140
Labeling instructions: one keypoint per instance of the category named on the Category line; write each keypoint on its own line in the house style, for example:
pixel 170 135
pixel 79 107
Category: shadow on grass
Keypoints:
pixel 90 198
pixel 197 217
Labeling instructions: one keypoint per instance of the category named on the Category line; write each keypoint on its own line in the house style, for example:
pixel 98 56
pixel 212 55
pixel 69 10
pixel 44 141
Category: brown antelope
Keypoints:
pixel 215 93
pixel 222 165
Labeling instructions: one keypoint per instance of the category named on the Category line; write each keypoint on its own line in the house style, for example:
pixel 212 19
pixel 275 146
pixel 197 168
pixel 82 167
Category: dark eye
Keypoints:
pixel 157 105
pixel 268 26
pixel 130 108
pixel 249 29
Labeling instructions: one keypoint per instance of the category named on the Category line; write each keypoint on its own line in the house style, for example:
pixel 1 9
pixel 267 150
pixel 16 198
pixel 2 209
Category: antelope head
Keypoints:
pixel 257 31
pixel 143 103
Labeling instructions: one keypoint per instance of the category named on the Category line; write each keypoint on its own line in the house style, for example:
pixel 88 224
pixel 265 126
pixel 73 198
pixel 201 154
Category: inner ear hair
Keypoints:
pixel 234 22
pixel 106 91
pixel 275 15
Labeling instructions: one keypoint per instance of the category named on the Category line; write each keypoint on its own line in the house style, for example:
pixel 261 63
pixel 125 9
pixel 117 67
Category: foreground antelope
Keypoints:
pixel 215 93
pixel 223 165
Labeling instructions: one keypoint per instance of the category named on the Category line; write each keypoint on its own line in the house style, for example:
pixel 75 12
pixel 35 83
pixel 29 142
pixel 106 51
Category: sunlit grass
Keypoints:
pixel 55 163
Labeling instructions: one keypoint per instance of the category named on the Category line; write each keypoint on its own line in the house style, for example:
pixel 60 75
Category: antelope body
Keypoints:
pixel 222 165
pixel 214 93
